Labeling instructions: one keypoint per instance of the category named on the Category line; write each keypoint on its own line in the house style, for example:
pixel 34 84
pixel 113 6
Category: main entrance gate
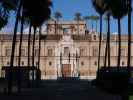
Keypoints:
pixel 66 70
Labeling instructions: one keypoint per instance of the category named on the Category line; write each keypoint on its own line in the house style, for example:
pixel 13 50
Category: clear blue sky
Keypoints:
pixel 68 9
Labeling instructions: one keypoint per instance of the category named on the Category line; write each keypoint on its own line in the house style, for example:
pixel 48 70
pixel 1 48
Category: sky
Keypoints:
pixel 69 7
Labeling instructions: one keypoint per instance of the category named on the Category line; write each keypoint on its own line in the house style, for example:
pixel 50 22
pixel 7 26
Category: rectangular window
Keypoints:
pixel 22 52
pixel 7 51
pixel 66 51
pixel 82 51
pixel 50 52
pixel 95 51
pixel 122 52
pixel 36 52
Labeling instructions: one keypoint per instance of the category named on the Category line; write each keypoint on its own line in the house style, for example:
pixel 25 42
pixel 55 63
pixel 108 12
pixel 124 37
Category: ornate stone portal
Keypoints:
pixel 66 62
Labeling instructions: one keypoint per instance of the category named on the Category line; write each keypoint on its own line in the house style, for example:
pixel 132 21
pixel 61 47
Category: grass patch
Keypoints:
pixel 131 97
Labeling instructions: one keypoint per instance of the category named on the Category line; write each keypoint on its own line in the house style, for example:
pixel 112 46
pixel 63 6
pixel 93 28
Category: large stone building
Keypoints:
pixel 67 49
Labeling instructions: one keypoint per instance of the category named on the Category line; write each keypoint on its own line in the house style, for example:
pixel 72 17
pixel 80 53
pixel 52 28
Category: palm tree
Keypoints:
pixel 29 42
pixel 86 18
pixel 100 7
pixel 36 20
pixel 78 18
pixel 57 16
pixel 39 55
pixel 96 18
pixel 5 7
pixel 108 39
pixel 129 33
pixel 118 9
pixel 19 57
pixel 13 48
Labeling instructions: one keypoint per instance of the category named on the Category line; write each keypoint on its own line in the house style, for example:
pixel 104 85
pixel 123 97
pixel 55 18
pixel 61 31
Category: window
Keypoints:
pixel 94 37
pixel 22 52
pixel 95 51
pixel 50 63
pixel 82 63
pixel 22 63
pixel 8 63
pixel 66 51
pixel 89 37
pixel 65 30
pixel 36 52
pixel 122 52
pixel 82 51
pixel 123 63
pixel 95 63
pixel 37 63
pixel 7 52
pixel 50 52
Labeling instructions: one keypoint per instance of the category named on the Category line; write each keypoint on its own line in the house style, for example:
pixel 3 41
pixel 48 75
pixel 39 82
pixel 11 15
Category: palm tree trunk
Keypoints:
pixel 106 51
pixel 92 24
pixel 96 25
pixel 29 36
pixel 129 35
pixel 28 63
pixel 108 39
pixel 61 64
pixel 55 27
pixel 107 48
pixel 33 49
pixel 13 49
pixel 100 39
pixel 19 57
pixel 38 69
pixel 47 27
pixel 119 45
pixel 78 26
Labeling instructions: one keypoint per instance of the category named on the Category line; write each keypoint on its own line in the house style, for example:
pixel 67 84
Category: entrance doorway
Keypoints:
pixel 66 70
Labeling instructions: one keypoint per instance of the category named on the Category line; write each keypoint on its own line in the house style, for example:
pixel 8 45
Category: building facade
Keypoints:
pixel 67 48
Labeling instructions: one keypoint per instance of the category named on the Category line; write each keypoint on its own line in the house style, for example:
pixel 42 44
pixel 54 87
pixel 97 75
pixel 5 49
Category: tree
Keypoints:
pixel 129 2
pixel 78 18
pixel 86 18
pixel 37 19
pixel 100 7
pixel 118 9
pixel 95 18
pixel 5 7
pixel 37 16
pixel 57 16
